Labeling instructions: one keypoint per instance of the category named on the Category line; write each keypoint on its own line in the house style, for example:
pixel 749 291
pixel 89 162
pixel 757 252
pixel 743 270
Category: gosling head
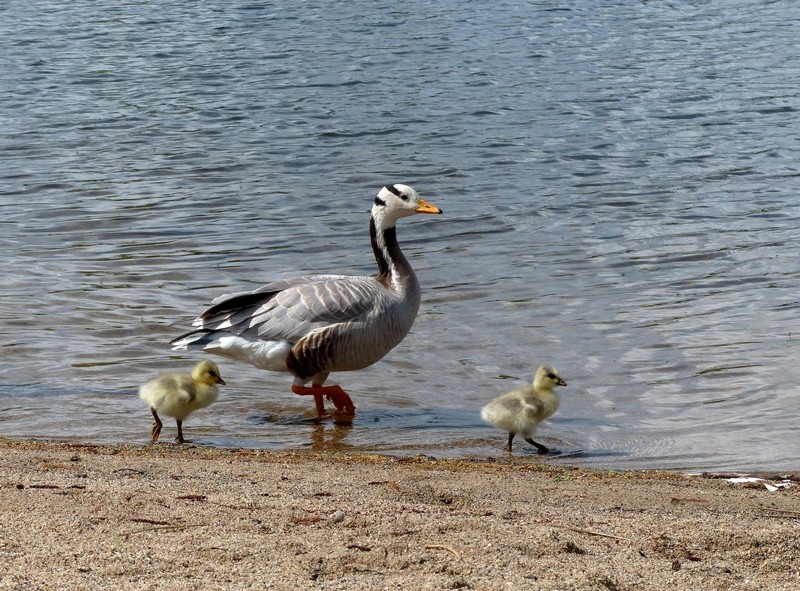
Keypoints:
pixel 207 372
pixel 547 378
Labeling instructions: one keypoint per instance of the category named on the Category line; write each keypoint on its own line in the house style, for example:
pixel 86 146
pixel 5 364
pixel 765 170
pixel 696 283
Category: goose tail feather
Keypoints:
pixel 192 341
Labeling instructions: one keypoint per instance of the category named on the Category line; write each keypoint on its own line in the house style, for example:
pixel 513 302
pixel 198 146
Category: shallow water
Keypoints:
pixel 619 185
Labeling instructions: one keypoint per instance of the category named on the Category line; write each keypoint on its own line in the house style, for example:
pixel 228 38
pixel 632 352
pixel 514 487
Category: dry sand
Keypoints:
pixel 181 517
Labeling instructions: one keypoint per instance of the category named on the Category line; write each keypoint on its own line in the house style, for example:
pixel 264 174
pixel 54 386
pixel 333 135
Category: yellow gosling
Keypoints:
pixel 178 395
pixel 520 411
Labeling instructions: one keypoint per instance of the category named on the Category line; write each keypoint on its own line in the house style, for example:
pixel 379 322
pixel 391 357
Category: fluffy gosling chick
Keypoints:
pixel 521 410
pixel 178 395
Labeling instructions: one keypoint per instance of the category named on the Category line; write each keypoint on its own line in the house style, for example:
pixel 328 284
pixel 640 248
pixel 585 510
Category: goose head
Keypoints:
pixel 547 378
pixel 398 201
pixel 207 372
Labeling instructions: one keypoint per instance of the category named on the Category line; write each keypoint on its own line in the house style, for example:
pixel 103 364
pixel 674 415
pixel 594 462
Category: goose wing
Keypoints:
pixel 290 309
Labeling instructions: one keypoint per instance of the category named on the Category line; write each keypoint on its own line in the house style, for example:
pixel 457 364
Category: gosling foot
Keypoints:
pixel 543 449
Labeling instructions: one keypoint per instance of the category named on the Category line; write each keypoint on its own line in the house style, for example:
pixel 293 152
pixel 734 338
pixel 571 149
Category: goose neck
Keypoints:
pixel 394 269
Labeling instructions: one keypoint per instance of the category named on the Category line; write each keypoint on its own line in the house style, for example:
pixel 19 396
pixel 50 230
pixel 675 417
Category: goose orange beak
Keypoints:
pixel 425 207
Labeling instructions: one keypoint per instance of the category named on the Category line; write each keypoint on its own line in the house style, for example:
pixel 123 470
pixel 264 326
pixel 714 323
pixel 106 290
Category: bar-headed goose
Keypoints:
pixel 178 395
pixel 521 410
pixel 313 325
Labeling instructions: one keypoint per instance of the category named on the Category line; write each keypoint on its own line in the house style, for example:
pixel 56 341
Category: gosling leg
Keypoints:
pixel 543 449
pixel 180 438
pixel 156 430
pixel 510 439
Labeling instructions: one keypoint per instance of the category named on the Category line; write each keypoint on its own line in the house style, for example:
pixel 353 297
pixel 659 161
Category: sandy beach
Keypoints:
pixel 183 517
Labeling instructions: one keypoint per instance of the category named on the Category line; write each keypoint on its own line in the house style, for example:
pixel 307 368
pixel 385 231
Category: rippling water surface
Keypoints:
pixel 620 185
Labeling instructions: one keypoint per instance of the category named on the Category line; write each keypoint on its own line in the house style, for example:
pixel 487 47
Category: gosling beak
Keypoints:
pixel 425 207
pixel 220 381
pixel 561 382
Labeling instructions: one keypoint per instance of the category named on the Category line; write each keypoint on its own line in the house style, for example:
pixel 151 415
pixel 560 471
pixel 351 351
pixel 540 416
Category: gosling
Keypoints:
pixel 178 395
pixel 521 410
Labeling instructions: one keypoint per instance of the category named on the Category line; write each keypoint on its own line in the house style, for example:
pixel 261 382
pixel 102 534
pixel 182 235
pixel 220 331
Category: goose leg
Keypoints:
pixel 543 449
pixel 510 439
pixel 341 400
pixel 314 391
pixel 345 409
pixel 156 430
pixel 180 438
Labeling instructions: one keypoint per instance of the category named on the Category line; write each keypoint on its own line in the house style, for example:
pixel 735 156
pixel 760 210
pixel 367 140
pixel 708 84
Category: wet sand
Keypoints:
pixel 183 517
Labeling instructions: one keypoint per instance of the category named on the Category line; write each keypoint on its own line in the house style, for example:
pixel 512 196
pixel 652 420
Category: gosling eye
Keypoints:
pixel 552 376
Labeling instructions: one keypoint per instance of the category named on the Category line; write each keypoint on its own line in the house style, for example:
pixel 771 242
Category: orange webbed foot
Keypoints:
pixel 341 399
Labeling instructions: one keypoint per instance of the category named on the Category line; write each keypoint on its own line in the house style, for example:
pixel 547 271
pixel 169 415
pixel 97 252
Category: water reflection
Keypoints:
pixel 331 438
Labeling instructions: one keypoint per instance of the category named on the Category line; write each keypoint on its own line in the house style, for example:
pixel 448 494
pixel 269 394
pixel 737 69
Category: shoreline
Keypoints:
pixel 85 516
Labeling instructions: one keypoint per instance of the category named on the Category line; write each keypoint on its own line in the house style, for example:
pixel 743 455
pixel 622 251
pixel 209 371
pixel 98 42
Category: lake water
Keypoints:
pixel 620 189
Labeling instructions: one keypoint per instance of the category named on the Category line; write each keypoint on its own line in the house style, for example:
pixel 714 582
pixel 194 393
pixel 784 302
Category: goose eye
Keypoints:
pixel 551 376
pixel 395 191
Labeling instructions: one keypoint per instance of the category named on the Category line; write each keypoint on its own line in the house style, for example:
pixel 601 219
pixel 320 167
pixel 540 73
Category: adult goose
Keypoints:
pixel 313 325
